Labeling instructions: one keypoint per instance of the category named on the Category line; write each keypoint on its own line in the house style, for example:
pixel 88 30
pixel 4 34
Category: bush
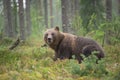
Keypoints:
pixel 117 76
pixel 89 67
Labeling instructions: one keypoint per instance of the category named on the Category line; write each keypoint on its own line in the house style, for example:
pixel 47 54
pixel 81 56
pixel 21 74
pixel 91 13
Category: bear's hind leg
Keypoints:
pixel 87 50
pixel 79 58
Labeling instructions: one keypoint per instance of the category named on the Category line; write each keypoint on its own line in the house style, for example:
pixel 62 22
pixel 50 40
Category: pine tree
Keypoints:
pixel 21 20
pixel 87 9
pixel 8 19
pixel 28 18
pixel 65 15
pixel 46 13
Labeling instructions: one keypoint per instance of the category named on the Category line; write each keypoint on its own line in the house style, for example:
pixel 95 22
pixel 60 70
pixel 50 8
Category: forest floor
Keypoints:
pixel 30 61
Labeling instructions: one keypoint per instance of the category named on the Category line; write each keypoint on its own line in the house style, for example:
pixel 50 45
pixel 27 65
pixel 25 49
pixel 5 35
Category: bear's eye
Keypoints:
pixel 52 34
pixel 46 34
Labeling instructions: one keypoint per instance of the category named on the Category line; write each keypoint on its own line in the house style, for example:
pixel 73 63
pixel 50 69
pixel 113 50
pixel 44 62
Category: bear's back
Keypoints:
pixel 81 42
pixel 75 44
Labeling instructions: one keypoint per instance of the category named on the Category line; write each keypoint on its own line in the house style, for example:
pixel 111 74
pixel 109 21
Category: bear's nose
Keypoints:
pixel 49 39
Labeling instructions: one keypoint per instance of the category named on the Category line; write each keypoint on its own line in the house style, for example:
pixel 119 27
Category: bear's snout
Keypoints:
pixel 49 39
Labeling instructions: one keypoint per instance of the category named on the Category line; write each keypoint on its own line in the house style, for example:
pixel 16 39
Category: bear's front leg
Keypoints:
pixel 79 58
pixel 58 57
pixel 55 56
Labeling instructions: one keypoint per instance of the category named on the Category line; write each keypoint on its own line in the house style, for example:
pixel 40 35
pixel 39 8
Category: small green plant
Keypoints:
pixel 117 75
pixel 94 69
pixel 89 67
pixel 74 67
pixel 6 41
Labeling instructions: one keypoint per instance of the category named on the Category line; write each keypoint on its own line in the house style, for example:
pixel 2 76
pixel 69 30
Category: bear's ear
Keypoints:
pixel 57 28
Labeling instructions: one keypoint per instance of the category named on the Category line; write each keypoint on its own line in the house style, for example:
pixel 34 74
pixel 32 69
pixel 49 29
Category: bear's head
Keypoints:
pixel 53 36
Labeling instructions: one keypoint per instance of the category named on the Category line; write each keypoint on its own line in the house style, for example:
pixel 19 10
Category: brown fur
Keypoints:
pixel 65 45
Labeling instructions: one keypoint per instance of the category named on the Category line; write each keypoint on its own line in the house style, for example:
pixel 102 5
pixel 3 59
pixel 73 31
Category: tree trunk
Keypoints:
pixel 77 6
pixel 51 13
pixel 15 21
pixel 40 7
pixel 109 10
pixel 108 18
pixel 46 13
pixel 119 7
pixel 8 18
pixel 39 4
pixel 73 8
pixel 65 15
pixel 28 18
pixel 21 20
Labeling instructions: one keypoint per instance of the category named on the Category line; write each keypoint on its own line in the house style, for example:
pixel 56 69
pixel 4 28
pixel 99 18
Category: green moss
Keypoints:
pixel 30 61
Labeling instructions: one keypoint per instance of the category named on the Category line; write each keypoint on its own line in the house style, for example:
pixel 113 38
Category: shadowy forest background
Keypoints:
pixel 25 18
pixel 28 19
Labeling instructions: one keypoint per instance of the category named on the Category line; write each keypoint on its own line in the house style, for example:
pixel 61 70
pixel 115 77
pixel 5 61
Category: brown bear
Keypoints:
pixel 65 45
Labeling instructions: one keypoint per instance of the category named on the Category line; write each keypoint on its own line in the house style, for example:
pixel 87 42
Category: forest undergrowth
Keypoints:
pixel 30 61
